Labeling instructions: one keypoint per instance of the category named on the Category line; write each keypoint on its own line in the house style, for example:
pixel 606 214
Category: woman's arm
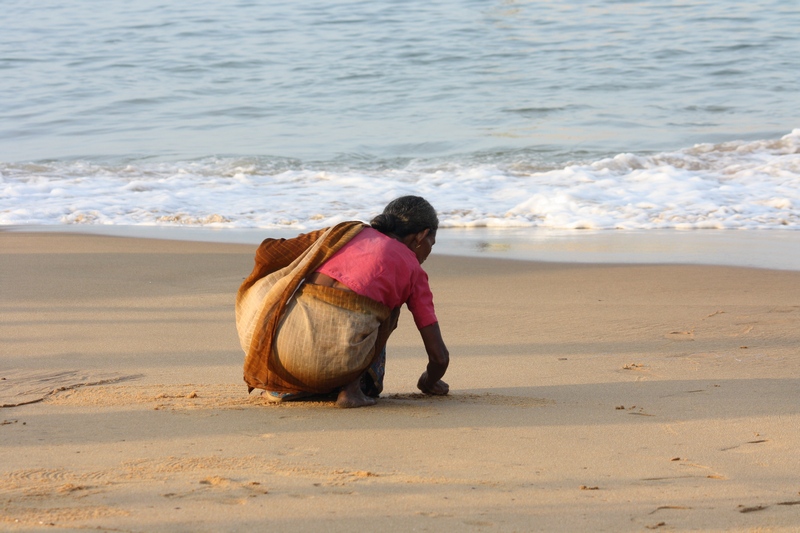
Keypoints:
pixel 438 359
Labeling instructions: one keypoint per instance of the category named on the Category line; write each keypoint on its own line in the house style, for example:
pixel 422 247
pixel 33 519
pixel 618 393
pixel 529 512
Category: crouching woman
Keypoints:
pixel 315 314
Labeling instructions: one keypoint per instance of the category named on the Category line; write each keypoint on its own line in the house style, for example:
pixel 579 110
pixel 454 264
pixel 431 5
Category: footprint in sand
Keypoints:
pixel 222 490
pixel 680 335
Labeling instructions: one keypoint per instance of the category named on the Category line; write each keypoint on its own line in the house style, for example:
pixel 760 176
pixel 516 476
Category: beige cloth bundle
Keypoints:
pixel 325 341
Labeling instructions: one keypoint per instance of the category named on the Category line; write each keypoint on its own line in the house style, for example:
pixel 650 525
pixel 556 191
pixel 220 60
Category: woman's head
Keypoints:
pixel 405 216
pixel 411 220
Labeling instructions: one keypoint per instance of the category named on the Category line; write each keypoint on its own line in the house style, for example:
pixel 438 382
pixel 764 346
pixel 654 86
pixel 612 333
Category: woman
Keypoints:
pixel 316 312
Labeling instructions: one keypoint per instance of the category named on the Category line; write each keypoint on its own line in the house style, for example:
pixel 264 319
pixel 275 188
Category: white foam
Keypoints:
pixel 751 185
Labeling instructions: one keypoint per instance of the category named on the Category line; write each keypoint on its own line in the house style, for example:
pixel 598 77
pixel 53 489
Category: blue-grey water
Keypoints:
pixel 320 79
pixel 398 92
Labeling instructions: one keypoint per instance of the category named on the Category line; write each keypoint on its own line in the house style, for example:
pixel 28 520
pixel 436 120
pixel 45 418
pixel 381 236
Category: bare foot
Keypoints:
pixel 352 396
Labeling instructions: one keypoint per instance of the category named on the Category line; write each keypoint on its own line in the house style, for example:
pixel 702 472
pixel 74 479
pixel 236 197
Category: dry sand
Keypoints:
pixel 583 398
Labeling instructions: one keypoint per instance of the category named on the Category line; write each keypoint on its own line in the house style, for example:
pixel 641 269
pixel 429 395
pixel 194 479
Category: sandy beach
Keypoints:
pixel 584 397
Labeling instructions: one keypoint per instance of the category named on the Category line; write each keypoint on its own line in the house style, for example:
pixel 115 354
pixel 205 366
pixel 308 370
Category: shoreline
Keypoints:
pixel 771 249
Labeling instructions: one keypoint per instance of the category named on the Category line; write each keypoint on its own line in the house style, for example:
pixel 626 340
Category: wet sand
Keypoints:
pixel 618 397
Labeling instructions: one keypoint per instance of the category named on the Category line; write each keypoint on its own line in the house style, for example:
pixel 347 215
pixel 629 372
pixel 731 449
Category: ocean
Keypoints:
pixel 506 114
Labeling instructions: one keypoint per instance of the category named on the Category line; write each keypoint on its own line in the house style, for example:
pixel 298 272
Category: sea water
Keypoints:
pixel 566 115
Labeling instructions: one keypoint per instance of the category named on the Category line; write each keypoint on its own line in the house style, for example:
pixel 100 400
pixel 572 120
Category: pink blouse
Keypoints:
pixel 384 269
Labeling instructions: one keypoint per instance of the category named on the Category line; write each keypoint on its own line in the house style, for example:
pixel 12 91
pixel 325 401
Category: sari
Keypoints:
pixel 299 337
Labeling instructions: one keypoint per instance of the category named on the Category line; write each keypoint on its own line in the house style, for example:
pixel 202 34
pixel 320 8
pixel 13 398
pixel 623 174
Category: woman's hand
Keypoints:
pixel 438 388
pixel 430 382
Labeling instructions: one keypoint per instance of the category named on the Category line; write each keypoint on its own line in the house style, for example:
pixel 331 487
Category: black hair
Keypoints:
pixel 406 215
